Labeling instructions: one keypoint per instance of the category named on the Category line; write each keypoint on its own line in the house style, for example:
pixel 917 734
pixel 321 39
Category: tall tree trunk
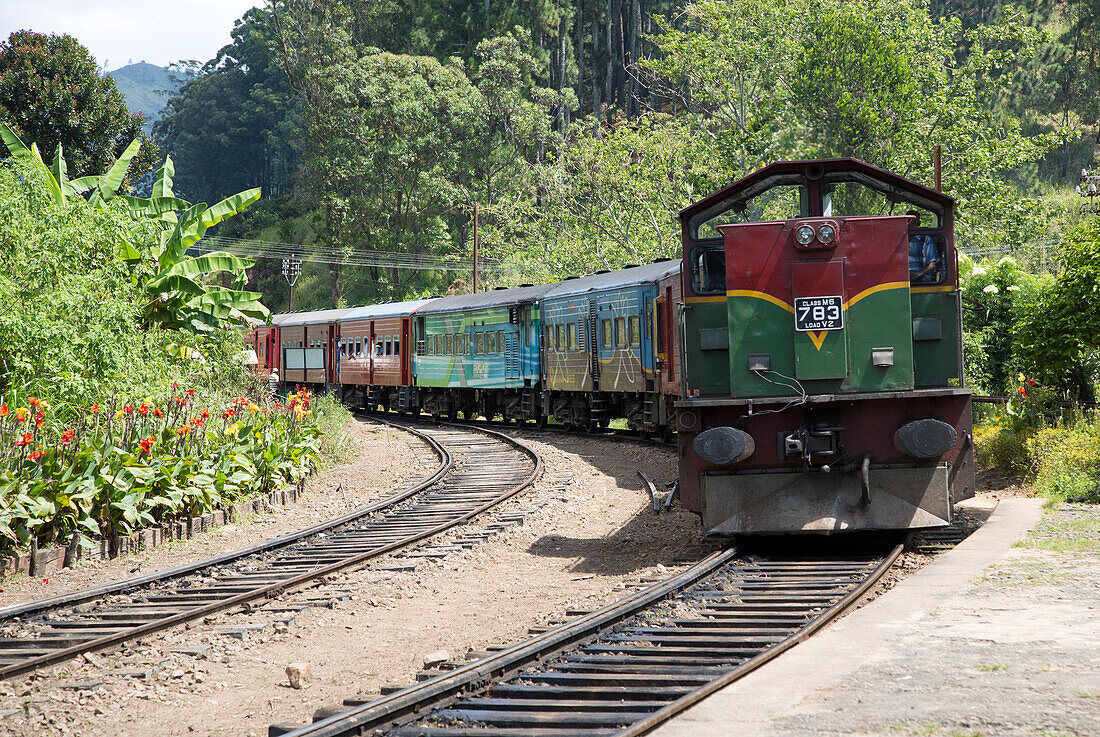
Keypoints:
pixel 635 24
pixel 563 50
pixel 579 12
pixel 610 86
pixel 619 52
pixel 597 107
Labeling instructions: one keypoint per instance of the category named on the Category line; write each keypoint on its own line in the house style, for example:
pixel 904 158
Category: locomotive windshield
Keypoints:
pixel 776 198
pixel 853 194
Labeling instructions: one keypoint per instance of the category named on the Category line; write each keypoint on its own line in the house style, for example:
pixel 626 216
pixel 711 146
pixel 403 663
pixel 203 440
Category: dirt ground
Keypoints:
pixel 589 534
pixel 383 463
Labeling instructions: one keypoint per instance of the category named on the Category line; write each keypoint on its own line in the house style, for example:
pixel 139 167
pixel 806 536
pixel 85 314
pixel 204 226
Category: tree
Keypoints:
pixel 51 93
pixel 235 125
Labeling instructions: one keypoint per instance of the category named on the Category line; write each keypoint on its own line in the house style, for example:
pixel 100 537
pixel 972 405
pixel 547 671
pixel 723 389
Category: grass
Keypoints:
pixel 1066 529
pixel 986 667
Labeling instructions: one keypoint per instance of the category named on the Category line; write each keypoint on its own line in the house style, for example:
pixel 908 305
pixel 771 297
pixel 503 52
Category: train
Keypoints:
pixel 805 355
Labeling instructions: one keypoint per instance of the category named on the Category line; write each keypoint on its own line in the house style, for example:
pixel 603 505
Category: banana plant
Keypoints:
pixel 103 187
pixel 178 297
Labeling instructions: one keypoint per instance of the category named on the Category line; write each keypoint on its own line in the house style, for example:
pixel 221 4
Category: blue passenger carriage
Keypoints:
pixel 479 354
pixel 599 357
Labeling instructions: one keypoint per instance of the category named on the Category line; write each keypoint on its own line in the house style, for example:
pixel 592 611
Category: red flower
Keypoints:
pixel 228 413
pixel 1031 381
pixel 95 408
pixel 1022 391
pixel 175 385
pixel 205 414
pixel 127 409
pixel 25 441
pixel 183 430
pixel 4 410
pixel 179 399
pixel 147 443
pixel 143 410
pixel 278 406
pixel 157 413
pixel 190 392
pixel 32 402
pixel 36 455
pixel 68 436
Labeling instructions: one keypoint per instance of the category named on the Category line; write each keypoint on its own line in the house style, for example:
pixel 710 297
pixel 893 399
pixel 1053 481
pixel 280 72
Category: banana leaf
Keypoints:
pixel 229 206
pixel 112 180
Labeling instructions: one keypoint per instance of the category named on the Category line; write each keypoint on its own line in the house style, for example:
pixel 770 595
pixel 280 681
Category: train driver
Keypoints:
pixel 923 254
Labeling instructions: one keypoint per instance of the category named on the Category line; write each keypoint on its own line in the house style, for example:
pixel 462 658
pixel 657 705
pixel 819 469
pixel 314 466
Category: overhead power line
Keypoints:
pixel 321 254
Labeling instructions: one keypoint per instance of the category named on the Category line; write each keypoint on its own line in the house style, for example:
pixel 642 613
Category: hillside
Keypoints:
pixel 146 88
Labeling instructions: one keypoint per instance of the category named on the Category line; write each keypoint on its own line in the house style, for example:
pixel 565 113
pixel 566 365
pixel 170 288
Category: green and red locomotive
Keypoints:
pixel 822 386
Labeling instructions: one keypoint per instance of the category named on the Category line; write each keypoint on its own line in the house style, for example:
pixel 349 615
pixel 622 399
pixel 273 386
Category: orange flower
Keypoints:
pixel 33 402
pixel 143 410
pixel 26 440
pixel 21 414
pixel 36 455
pixel 127 409
pixel 183 430
pixel 3 410
pixel 228 413
pixel 95 408
pixel 147 443
pixel 157 413
pixel 1022 391
pixel 68 436
pixel 190 392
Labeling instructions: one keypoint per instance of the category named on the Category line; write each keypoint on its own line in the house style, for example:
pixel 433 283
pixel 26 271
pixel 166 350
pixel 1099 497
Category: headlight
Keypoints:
pixel 688 419
pixel 804 235
pixel 826 233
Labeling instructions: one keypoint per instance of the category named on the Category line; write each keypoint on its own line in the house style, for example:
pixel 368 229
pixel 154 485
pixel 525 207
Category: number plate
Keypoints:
pixel 813 314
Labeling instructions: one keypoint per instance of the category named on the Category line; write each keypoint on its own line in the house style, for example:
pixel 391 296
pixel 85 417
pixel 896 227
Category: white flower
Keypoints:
pixel 1014 288
pixel 979 271
pixel 1006 260
pixel 991 289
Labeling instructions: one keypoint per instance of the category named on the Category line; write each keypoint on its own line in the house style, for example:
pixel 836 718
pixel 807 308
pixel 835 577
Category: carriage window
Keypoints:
pixel 549 337
pixel 500 341
pixel 605 333
pixel 389 346
pixel 397 346
pixel 571 335
pixel 448 344
pixel 708 270
pixel 635 326
pixel 479 343
pixel 620 332
pixel 559 336
pixel 490 342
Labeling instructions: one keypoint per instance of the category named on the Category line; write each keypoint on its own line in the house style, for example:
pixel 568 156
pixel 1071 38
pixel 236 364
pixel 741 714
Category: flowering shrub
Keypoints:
pixel 132 463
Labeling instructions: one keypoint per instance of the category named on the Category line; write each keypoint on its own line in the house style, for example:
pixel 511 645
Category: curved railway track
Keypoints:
pixel 626 668
pixel 477 470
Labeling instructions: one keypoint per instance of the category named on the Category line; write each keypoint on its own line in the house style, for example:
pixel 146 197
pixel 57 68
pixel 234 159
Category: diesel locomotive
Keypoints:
pixel 812 377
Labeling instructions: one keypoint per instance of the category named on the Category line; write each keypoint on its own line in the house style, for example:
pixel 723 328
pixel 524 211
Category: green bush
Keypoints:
pixel 111 469
pixel 1065 460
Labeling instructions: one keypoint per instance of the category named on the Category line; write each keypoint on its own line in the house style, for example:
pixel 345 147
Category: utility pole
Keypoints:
pixel 937 167
pixel 292 269
pixel 475 247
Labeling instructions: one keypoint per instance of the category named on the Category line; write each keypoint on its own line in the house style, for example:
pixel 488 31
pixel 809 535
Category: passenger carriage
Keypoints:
pixel 307 348
pixel 479 354
pixel 374 356
pixel 599 350
pixel 823 390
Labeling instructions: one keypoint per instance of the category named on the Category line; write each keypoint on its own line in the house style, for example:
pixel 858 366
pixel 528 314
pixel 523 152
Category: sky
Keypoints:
pixel 120 31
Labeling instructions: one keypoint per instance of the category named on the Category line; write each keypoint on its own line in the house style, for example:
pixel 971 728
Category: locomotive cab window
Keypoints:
pixel 779 197
pixel 708 270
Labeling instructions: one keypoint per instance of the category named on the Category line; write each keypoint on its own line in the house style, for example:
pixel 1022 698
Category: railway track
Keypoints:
pixel 477 469
pixel 634 664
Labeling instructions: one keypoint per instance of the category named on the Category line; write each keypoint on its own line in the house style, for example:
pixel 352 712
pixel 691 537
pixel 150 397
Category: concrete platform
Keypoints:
pixel 989 639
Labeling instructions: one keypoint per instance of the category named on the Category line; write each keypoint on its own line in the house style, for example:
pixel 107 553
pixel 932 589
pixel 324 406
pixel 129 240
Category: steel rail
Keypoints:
pixel 446 463
pixel 481 672
pixel 288 583
pixel 394 710
pixel 829 615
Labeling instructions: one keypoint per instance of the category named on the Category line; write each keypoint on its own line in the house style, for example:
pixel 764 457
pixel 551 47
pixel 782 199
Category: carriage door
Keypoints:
pixel 512 344
pixel 404 357
pixel 593 344
pixel 368 353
